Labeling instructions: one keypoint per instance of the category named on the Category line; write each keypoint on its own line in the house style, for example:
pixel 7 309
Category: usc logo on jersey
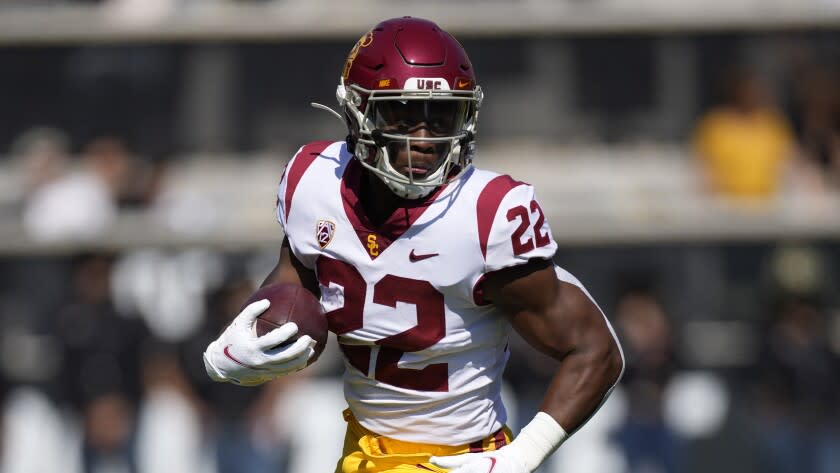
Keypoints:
pixel 372 245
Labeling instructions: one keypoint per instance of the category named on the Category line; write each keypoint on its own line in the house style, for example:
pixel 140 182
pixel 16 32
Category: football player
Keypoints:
pixel 423 263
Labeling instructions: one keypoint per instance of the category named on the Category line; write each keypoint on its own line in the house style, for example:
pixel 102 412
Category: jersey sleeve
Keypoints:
pixel 519 230
pixel 279 210
pixel 294 198
pixel 291 177
pixel 284 192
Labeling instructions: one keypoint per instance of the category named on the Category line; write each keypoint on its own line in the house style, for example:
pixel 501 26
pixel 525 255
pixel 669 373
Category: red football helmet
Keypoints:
pixel 404 72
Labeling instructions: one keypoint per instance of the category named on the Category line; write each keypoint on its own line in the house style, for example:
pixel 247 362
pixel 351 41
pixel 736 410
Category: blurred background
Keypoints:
pixel 687 155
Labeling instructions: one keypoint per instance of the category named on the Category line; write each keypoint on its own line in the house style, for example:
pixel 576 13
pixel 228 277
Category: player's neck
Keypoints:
pixel 377 199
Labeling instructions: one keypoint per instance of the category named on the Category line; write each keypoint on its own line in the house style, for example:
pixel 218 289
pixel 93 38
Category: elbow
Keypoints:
pixel 610 362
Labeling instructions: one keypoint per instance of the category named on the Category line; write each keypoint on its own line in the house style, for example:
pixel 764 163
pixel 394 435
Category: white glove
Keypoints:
pixel 535 442
pixel 240 357
pixel 503 460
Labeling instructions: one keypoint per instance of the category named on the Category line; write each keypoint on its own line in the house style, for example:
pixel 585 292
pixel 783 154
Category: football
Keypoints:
pixel 291 303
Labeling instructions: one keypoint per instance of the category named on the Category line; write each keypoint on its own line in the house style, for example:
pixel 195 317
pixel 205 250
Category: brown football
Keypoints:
pixel 291 303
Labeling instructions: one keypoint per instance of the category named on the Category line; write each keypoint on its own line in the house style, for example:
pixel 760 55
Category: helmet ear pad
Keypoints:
pixel 363 152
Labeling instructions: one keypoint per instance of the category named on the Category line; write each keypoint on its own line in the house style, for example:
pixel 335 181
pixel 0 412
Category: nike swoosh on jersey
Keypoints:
pixel 492 464
pixel 415 257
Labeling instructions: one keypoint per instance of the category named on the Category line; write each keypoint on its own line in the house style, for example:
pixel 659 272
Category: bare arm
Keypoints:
pixel 560 320
pixel 290 270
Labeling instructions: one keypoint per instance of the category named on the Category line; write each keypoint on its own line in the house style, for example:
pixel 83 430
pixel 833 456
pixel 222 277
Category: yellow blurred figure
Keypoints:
pixel 744 145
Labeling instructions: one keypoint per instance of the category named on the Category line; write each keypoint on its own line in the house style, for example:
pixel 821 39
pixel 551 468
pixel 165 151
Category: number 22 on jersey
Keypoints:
pixel 524 216
pixel 429 303
pixel 430 328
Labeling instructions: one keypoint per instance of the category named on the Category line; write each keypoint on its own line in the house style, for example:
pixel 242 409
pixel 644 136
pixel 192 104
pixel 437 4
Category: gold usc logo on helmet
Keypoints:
pixel 363 42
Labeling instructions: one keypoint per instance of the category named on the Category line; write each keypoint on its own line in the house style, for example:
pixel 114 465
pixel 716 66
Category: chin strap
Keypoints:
pixel 376 136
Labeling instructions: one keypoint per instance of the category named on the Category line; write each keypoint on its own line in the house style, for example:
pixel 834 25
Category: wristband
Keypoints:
pixel 538 440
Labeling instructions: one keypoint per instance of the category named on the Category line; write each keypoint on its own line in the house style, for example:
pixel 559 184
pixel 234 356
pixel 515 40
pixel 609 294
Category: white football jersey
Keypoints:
pixel 424 354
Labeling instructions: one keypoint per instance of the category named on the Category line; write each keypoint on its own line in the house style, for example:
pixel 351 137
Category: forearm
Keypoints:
pixel 591 361
pixel 555 314
pixel 545 432
pixel 582 382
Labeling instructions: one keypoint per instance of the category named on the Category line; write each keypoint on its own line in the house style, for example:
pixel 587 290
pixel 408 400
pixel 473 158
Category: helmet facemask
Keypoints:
pixel 383 121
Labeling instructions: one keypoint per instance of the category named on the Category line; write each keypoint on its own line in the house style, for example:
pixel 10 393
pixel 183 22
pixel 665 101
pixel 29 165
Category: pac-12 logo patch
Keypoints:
pixel 324 232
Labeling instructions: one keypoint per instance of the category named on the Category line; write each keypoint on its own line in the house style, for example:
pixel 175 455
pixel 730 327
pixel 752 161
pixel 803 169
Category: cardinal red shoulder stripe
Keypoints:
pixel 488 204
pixel 299 164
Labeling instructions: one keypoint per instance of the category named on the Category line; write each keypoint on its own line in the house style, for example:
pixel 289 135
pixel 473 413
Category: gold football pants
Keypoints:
pixel 367 452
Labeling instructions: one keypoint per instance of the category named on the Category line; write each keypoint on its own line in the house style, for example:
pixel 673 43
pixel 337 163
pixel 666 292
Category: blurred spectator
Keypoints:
pixel 798 386
pixel 648 442
pixel 101 373
pixel 744 145
pixel 817 94
pixel 133 183
pixel 83 203
pixel 168 289
pixel 42 153
pixel 109 160
pixel 145 185
pixel 170 430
